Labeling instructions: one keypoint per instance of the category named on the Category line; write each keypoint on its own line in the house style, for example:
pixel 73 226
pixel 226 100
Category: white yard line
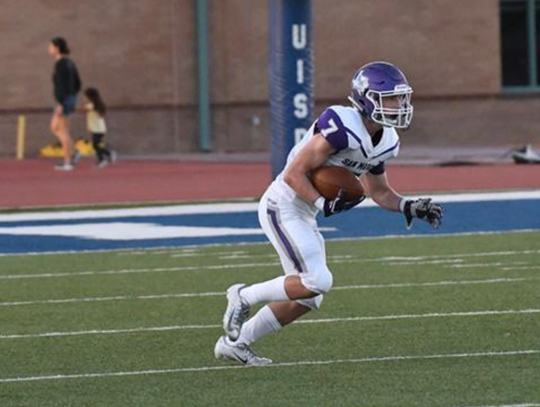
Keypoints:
pixel 521 268
pixel 275 365
pixel 300 322
pixel 391 260
pixel 111 298
pixel 109 331
pixel 423 262
pixel 175 254
pixel 507 405
pixel 483 265
pixel 246 256
pixel 437 283
pixel 134 271
pixel 217 294
pixel 419 316
pixel 457 255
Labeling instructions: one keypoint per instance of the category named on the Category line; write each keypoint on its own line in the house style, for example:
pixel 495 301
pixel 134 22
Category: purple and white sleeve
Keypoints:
pixel 331 127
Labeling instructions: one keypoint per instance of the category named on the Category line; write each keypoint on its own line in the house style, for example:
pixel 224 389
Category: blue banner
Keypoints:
pixel 291 76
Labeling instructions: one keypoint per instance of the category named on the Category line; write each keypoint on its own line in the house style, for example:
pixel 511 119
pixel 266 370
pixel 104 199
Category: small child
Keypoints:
pixel 95 123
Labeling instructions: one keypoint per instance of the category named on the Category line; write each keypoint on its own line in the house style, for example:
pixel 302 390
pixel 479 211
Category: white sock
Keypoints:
pixel 271 290
pixel 261 324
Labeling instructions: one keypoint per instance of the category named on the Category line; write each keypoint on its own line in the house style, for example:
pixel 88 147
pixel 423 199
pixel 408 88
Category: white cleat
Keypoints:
pixel 238 352
pixel 237 312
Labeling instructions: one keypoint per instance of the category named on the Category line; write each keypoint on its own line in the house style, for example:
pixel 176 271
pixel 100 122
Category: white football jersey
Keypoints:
pixel 344 129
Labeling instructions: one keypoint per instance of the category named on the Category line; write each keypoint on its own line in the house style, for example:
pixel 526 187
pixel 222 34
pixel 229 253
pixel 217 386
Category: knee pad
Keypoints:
pixel 312 303
pixel 319 282
pixel 325 282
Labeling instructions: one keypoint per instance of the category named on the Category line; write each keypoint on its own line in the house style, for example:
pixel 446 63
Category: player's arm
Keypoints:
pixel 313 155
pixel 385 196
pixel 381 192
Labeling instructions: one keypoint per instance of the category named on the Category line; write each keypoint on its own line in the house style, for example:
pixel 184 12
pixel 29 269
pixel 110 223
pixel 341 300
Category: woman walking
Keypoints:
pixel 67 84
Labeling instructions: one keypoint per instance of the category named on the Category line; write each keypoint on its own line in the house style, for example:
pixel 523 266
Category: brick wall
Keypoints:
pixel 141 54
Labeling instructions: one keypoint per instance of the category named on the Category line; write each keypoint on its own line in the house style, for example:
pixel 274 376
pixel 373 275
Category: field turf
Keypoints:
pixel 428 321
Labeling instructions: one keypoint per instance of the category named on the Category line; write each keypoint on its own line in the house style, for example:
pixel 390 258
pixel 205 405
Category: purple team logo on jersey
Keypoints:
pixel 375 82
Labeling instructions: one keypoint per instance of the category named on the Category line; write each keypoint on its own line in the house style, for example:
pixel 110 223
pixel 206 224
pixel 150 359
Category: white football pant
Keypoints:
pixel 294 234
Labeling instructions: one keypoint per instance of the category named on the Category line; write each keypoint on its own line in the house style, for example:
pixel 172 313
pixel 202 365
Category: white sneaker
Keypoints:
pixel 64 167
pixel 238 352
pixel 526 155
pixel 237 312
pixel 103 163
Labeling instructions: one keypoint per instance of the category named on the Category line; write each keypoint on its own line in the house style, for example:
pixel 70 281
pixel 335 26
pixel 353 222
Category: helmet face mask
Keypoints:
pixel 381 92
pixel 399 117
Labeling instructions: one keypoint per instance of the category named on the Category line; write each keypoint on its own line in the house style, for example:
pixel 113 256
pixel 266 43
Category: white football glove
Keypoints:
pixel 423 209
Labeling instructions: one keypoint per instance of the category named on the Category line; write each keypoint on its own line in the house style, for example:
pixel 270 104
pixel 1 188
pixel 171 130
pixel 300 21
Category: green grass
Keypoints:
pixel 494 272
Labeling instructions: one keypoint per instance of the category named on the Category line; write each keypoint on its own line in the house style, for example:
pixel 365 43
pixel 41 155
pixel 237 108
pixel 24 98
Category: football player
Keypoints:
pixel 360 138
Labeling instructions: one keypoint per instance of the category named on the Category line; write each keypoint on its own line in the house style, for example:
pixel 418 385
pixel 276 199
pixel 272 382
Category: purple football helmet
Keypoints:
pixel 375 82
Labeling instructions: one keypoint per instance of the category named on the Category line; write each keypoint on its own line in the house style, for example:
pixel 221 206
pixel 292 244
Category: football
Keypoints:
pixel 328 180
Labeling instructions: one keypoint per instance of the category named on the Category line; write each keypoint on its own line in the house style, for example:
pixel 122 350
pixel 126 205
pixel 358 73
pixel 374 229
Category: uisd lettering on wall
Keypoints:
pixel 291 76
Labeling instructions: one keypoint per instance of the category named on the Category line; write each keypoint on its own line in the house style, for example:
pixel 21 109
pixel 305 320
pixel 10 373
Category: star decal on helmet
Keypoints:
pixel 361 82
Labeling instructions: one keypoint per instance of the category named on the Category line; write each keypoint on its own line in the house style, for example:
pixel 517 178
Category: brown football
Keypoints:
pixel 328 180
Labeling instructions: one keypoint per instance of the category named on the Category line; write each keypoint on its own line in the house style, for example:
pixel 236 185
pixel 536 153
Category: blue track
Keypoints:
pixel 460 217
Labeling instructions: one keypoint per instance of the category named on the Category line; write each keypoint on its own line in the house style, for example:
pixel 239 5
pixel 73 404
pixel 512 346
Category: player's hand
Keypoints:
pixel 423 209
pixel 339 204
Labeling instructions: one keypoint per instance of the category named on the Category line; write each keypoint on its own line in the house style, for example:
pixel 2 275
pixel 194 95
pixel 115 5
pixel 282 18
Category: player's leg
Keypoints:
pixel 298 244
pixel 297 241
pixel 269 319
pixel 284 311
pixel 287 312
pixel 276 315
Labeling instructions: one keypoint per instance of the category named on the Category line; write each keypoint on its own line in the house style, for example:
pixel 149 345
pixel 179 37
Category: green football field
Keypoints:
pixel 445 321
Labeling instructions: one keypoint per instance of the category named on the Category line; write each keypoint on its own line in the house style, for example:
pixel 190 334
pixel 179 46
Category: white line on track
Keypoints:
pixel 217 294
pixel 301 322
pixel 275 365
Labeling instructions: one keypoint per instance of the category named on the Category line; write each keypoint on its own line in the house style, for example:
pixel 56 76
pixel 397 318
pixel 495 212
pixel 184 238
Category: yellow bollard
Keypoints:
pixel 21 136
